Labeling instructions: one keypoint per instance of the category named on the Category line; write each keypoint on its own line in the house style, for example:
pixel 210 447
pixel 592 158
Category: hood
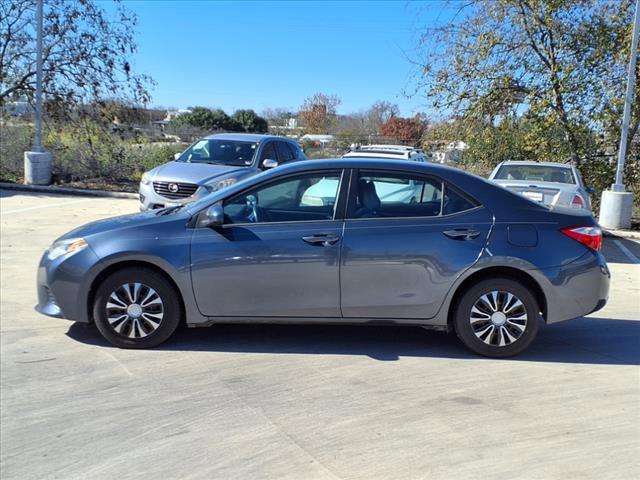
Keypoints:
pixel 114 223
pixel 185 172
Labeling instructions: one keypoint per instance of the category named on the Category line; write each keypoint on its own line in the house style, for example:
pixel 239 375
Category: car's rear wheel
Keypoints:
pixel 497 317
pixel 136 308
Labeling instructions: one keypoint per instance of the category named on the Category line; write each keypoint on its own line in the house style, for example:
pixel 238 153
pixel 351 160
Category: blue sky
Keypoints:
pixel 275 54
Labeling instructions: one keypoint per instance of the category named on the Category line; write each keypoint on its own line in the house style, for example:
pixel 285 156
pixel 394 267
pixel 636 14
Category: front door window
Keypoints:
pixel 295 199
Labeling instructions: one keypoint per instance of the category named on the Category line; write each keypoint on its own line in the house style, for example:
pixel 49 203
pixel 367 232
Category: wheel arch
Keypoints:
pixel 121 265
pixel 516 274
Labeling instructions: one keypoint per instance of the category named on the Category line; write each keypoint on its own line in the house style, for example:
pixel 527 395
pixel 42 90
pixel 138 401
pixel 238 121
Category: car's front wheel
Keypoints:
pixel 497 317
pixel 136 308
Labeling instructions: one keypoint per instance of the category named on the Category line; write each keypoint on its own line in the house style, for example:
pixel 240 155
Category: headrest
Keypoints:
pixel 368 196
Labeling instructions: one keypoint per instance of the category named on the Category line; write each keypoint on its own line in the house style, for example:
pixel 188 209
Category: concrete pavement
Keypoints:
pixel 237 402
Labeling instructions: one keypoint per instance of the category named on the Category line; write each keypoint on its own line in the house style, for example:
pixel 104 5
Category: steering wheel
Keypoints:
pixel 252 206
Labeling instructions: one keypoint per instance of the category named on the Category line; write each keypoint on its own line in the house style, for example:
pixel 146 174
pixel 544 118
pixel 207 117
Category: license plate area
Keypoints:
pixel 535 196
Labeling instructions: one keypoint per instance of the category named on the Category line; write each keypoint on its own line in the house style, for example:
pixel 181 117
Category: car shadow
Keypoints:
pixel 5 193
pixel 584 340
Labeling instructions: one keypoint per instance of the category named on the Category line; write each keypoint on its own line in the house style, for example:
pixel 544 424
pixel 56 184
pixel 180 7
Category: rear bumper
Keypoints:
pixel 576 289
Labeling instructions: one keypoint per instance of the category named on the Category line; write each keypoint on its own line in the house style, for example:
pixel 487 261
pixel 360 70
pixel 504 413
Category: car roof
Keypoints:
pixel 532 163
pixel 369 162
pixel 404 148
pixel 246 137
pixel 375 154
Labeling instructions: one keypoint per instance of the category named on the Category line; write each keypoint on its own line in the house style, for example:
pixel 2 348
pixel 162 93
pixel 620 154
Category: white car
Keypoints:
pixel 554 184
pixel 398 152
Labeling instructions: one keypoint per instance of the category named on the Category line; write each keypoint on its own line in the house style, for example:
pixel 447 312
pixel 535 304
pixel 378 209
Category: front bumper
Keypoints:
pixel 150 200
pixel 63 285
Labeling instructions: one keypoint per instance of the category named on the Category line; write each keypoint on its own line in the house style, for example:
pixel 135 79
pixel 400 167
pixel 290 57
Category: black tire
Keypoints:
pixel 488 344
pixel 170 305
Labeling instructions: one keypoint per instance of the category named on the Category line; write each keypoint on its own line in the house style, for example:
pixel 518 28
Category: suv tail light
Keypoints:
pixel 578 201
pixel 588 236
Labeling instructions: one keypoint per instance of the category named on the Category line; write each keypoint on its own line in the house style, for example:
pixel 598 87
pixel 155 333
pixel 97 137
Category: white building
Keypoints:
pixel 323 140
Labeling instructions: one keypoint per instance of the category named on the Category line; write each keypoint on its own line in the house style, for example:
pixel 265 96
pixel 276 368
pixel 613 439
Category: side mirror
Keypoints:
pixel 269 163
pixel 176 156
pixel 590 190
pixel 212 216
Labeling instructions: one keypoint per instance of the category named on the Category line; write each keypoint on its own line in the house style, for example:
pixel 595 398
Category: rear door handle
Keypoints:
pixel 461 234
pixel 323 239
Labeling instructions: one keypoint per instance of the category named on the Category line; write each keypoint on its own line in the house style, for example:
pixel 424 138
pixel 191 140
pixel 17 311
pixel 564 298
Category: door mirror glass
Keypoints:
pixel 176 156
pixel 212 217
pixel 269 163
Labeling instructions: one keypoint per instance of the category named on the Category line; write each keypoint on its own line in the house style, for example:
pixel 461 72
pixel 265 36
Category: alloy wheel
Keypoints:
pixel 498 318
pixel 134 310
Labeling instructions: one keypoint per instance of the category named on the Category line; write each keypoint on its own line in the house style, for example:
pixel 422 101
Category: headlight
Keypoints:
pixel 66 246
pixel 227 182
pixel 145 179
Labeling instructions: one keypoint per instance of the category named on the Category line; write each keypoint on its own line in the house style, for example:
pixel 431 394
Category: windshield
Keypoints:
pixel 532 173
pixel 220 152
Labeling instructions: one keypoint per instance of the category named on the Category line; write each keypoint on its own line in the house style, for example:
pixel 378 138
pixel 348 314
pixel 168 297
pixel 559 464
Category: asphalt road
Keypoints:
pixel 253 402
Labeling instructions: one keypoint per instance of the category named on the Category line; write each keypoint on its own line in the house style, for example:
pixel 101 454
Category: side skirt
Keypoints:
pixel 425 323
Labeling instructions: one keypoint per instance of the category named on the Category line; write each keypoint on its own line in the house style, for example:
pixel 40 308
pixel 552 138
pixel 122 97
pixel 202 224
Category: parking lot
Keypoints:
pixel 306 402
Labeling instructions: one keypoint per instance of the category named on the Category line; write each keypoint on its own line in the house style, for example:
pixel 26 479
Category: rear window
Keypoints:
pixel 533 173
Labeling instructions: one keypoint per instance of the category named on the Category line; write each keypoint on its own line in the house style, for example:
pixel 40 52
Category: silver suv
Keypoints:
pixel 213 163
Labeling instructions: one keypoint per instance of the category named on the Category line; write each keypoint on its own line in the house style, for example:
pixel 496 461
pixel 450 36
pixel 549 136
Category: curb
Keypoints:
pixel 628 234
pixel 67 190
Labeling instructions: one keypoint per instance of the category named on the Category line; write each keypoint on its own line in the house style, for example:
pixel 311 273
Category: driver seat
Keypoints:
pixel 368 199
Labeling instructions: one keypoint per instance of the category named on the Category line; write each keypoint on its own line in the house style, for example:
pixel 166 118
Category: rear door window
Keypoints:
pixel 455 202
pixel 269 152
pixel 284 152
pixel 398 195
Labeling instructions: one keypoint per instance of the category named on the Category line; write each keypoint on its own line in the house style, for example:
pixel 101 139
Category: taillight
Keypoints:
pixel 577 201
pixel 588 236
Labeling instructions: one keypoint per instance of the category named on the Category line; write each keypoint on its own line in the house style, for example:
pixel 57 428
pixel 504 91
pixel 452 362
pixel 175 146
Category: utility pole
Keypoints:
pixel 616 205
pixel 37 144
pixel 37 163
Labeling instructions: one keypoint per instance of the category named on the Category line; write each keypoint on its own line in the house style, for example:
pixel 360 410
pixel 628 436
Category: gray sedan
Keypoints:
pixel 330 241
pixel 554 184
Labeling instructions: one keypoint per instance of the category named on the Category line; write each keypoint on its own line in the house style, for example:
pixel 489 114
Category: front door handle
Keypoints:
pixel 461 234
pixel 325 240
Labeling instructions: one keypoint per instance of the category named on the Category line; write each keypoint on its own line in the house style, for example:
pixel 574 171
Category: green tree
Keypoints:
pixel 250 121
pixel 562 61
pixel 208 119
pixel 86 52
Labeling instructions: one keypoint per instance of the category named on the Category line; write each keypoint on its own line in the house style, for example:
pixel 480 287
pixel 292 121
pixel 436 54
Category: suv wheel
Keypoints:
pixel 136 308
pixel 497 318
